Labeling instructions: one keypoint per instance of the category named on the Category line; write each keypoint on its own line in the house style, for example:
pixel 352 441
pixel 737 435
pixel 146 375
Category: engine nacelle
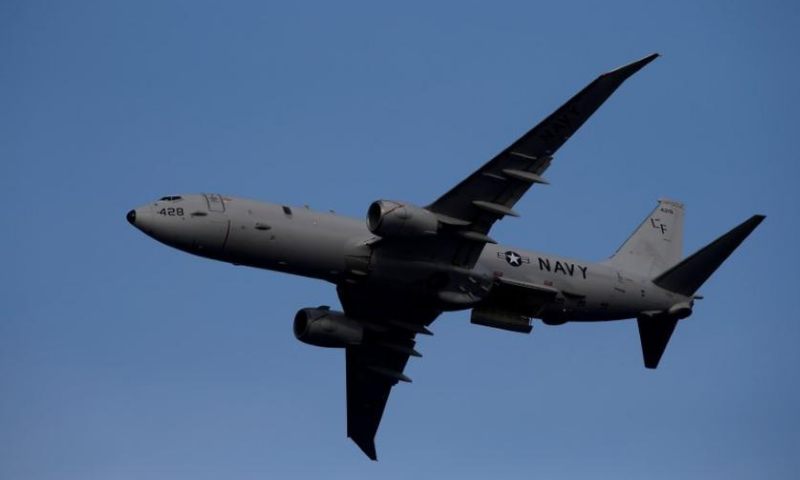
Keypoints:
pixel 327 328
pixel 393 219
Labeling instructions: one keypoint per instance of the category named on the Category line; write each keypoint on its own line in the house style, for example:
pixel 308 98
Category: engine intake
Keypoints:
pixel 393 219
pixel 322 327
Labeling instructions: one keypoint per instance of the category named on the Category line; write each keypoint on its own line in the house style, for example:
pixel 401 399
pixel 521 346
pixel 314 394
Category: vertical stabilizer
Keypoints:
pixel 656 245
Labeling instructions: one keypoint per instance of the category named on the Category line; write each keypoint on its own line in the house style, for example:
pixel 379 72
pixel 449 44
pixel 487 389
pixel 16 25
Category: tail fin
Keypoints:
pixel 656 245
pixel 689 275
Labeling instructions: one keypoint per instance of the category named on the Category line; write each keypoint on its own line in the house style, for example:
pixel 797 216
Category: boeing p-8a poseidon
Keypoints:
pixel 398 272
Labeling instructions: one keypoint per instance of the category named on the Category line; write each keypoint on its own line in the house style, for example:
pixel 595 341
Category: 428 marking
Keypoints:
pixel 171 212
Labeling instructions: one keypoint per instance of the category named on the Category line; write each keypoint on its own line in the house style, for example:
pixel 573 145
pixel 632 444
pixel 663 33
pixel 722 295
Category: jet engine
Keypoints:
pixel 393 219
pixel 323 327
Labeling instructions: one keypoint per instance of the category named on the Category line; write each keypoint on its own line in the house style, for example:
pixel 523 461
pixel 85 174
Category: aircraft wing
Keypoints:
pixel 377 365
pixel 371 374
pixel 468 211
pixel 471 207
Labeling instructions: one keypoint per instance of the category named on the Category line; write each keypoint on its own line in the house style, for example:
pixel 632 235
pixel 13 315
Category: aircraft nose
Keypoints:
pixel 141 218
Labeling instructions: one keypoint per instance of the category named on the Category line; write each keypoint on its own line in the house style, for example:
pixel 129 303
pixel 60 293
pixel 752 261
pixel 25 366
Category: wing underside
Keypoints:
pixel 377 365
pixel 371 373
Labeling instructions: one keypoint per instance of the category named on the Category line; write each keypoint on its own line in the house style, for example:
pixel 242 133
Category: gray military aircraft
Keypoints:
pixel 408 264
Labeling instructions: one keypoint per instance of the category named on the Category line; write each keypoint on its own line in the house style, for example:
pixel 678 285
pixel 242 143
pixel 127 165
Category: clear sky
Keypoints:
pixel 123 359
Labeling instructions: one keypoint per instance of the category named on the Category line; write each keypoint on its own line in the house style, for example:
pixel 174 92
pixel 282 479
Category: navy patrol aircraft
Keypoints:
pixel 398 272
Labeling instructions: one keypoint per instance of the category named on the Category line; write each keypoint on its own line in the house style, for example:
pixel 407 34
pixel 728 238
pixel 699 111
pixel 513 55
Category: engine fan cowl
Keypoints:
pixel 322 327
pixel 390 219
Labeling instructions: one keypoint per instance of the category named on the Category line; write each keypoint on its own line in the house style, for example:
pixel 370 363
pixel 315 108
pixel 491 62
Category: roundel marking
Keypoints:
pixel 513 259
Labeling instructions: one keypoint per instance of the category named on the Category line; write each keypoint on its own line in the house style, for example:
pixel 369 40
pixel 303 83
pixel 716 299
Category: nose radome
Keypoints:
pixel 142 218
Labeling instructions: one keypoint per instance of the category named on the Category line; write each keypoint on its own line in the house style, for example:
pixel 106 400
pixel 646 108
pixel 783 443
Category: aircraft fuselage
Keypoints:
pixel 331 247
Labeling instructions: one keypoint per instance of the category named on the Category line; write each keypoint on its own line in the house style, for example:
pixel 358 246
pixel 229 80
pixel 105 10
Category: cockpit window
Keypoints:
pixel 171 198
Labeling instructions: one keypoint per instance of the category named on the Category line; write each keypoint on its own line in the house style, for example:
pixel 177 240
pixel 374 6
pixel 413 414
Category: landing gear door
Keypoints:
pixel 215 202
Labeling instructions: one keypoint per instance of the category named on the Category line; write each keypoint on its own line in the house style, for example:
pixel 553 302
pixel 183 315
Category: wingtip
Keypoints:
pixel 633 67
pixel 647 59
pixel 754 221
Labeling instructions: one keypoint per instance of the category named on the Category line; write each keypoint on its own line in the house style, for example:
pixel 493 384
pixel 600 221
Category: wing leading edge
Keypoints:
pixel 491 192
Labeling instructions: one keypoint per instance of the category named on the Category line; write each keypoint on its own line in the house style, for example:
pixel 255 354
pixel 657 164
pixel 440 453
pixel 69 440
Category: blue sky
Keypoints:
pixel 123 359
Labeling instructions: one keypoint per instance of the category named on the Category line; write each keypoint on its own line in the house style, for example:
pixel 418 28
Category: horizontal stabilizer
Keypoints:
pixel 689 275
pixel 655 332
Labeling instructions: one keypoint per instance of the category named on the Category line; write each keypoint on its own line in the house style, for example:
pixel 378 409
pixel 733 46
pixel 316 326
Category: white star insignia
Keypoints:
pixel 513 259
